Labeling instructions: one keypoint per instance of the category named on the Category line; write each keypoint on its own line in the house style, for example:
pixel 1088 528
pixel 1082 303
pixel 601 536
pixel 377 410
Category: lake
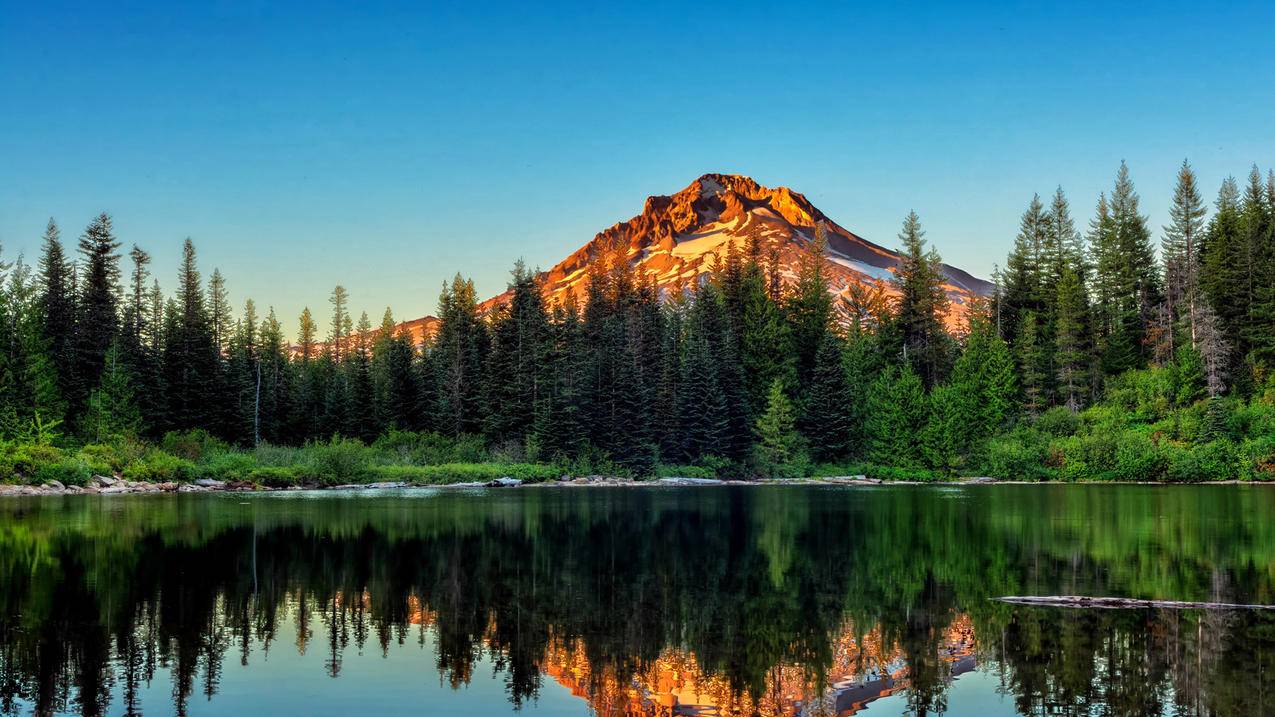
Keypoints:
pixel 630 601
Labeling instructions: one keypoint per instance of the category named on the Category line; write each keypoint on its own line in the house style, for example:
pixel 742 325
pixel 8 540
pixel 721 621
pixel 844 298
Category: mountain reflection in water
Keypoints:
pixel 729 601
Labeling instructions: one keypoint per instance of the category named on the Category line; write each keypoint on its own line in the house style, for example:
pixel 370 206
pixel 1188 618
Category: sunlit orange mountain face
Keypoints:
pixel 678 239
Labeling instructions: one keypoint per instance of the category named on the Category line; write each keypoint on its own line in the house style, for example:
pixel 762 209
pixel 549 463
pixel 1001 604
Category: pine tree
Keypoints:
pixel 337 337
pixel 110 410
pixel 898 410
pixel 809 307
pixel 1064 246
pixel 362 403
pixel 947 440
pixel 1126 281
pixel 1181 251
pixel 1025 268
pixel 765 352
pixel 923 304
pixel 459 351
pixel 862 364
pixel 219 319
pixel 702 406
pixel 272 406
pixel 243 380
pixel 58 310
pixel 97 323
pixel 191 363
pixel 1032 365
pixel 559 429
pixel 826 420
pixel 515 371
pixel 1257 222
pixel 1071 344
pixel 1224 275
pixel 139 345
pixel 780 452
pixel 986 366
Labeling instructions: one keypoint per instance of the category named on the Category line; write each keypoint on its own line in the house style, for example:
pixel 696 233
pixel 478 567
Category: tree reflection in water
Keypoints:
pixel 739 601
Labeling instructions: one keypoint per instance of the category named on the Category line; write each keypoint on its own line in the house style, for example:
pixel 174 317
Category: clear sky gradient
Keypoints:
pixel 388 146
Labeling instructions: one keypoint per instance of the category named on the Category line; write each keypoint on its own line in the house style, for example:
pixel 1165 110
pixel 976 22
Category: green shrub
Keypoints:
pixel 1020 455
pixel 269 454
pixel 20 461
pixel 463 473
pixel 689 471
pixel 1138 458
pixel 161 467
pixel 113 456
pixel 70 471
pixel 426 448
pixel 273 477
pixel 1257 458
pixel 191 445
pixel 1218 460
pixel 228 466
pixel 340 460
pixel 892 473
pixel 1058 422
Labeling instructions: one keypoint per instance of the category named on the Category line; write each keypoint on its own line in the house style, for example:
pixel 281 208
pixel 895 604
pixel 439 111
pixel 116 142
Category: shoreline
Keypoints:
pixel 106 485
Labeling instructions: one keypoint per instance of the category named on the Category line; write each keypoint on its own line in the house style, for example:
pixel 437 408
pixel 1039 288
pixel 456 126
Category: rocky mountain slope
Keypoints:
pixel 676 239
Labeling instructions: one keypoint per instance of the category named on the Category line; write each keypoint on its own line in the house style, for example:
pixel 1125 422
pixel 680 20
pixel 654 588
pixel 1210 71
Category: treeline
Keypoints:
pixel 739 372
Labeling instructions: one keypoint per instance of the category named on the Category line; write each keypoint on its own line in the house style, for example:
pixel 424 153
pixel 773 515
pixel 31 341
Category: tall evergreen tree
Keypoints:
pixel 1180 250
pixel 98 319
pixel 58 310
pixel 897 413
pixel 780 452
pixel 515 371
pixel 922 305
pixel 110 411
pixel 1127 278
pixel 559 427
pixel 191 363
pixel 1071 340
pixel 826 418
pixel 809 307
pixel 459 350
pixel 1025 269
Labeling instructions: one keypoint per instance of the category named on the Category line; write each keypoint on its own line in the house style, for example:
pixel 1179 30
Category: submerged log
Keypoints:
pixel 1115 603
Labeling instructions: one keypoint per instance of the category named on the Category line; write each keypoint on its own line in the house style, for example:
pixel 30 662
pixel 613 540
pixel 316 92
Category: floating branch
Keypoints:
pixel 1115 603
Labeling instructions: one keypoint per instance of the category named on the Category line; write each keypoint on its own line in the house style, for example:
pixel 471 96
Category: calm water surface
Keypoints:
pixel 637 601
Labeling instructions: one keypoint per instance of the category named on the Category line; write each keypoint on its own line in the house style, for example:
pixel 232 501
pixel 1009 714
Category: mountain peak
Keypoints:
pixel 676 239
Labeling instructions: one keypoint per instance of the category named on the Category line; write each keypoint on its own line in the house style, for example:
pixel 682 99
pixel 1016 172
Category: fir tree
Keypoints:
pixel 1071 345
pixel 338 335
pixel 515 363
pixel 459 349
pixel 219 319
pixel 110 411
pixel 780 452
pixel 826 418
pixel 559 431
pixel 58 310
pixel 97 323
pixel 191 363
pixel 809 307
pixel 922 304
pixel 947 440
pixel 363 413
pixel 897 413
pixel 1180 250
pixel 1032 365
pixel 1025 268
pixel 986 366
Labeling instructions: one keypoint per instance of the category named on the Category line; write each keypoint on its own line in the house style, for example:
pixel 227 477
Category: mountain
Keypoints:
pixel 676 238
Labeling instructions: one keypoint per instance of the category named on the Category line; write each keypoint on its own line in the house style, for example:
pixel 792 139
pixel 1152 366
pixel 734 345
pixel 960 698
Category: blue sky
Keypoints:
pixel 387 146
